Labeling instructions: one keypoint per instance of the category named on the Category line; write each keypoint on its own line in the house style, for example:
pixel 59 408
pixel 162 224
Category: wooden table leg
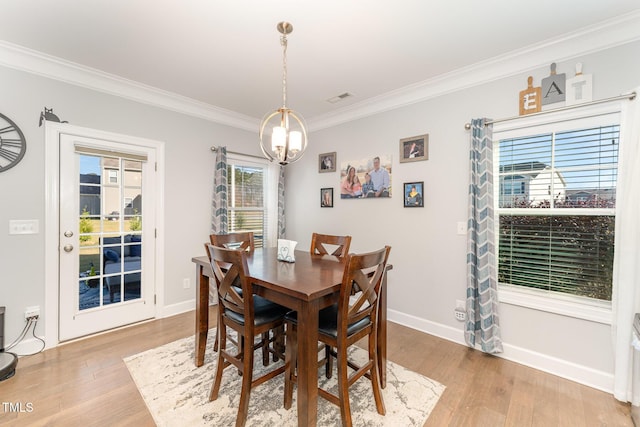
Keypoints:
pixel 308 364
pixel 382 333
pixel 202 314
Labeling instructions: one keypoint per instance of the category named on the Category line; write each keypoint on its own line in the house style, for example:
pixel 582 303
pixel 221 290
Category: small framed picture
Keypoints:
pixel 326 197
pixel 414 194
pixel 414 149
pixel 327 162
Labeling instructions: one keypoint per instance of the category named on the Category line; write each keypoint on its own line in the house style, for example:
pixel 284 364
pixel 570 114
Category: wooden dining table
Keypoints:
pixel 307 285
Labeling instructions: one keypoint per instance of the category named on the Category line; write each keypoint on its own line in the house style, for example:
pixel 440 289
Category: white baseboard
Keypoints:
pixel 178 308
pixel 563 368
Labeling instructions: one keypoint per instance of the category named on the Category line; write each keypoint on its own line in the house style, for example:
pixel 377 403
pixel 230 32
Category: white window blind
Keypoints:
pixel 556 206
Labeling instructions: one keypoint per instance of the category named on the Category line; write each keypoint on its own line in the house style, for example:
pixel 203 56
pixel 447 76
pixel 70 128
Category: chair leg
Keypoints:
pixel 278 343
pixel 343 387
pixel 215 389
pixel 291 357
pixel 328 367
pixel 375 376
pixel 215 344
pixel 247 377
pixel 265 349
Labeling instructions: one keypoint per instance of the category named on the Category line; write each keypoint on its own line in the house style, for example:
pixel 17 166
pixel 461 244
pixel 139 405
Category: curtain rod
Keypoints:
pixel 214 149
pixel 630 96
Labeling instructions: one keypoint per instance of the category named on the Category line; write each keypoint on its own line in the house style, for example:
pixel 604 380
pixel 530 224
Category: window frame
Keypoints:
pixel 552 302
pixel 270 193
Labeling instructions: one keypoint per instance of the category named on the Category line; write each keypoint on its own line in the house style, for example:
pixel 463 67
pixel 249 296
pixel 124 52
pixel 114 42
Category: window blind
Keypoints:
pixel 247 200
pixel 556 207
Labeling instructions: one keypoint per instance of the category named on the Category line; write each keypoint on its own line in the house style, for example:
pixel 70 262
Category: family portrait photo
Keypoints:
pixel 366 178
pixel 414 149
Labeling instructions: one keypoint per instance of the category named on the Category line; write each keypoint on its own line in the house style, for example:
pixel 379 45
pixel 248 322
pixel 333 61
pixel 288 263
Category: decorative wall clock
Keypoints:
pixel 12 143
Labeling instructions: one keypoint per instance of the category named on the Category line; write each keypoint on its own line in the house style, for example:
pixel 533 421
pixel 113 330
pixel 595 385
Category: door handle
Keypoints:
pixel 68 248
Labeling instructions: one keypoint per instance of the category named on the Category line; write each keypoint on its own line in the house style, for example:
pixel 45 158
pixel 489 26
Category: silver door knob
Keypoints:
pixel 68 233
pixel 68 248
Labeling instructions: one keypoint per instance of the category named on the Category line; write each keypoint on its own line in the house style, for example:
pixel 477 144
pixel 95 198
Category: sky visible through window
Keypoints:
pixel 584 161
pixel 89 165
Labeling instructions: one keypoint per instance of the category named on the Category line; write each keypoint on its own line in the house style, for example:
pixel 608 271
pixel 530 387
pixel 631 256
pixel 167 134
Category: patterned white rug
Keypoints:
pixel 177 393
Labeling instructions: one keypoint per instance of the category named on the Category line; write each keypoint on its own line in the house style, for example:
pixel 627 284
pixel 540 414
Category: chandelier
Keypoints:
pixel 283 134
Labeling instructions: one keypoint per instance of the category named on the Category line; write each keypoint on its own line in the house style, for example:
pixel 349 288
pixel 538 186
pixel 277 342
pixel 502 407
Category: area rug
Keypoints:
pixel 177 393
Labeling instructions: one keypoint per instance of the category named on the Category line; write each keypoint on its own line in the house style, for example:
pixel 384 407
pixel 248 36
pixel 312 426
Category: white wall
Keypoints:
pixel 429 258
pixel 189 171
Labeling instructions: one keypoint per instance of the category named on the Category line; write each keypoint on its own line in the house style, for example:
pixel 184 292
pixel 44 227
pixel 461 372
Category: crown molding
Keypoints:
pixel 31 61
pixel 606 34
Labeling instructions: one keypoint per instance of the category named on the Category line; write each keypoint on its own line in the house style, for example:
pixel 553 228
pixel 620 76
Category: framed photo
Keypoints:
pixel 326 197
pixel 414 149
pixel 327 162
pixel 366 178
pixel 414 194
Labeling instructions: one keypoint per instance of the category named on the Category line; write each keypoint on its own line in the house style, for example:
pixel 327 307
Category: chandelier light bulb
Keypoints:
pixel 278 138
pixel 295 141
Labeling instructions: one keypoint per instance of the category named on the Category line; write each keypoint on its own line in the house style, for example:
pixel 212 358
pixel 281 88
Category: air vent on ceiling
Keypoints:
pixel 340 97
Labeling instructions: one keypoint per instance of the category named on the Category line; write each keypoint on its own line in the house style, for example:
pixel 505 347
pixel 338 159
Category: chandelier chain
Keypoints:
pixel 283 42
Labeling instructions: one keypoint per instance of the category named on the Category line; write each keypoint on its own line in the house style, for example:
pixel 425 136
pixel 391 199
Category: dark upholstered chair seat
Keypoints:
pixel 328 322
pixel 265 311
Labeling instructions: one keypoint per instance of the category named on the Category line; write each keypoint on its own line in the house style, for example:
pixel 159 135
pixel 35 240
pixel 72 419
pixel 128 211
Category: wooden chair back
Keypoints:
pixel 230 271
pixel 240 240
pixel 361 283
pixel 321 244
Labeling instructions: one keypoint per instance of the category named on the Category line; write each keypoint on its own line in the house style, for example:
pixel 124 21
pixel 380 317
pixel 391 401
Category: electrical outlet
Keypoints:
pixel 186 283
pixel 460 314
pixel 32 312
pixel 461 228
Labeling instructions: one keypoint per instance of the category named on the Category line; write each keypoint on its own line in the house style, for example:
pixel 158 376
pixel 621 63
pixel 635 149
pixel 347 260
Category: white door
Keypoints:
pixel 107 235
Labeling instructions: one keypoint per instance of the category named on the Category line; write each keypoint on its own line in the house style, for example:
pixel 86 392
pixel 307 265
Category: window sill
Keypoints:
pixel 565 305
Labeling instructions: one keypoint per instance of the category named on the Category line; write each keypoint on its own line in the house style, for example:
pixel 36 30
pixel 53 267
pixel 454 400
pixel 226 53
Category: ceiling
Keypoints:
pixel 227 54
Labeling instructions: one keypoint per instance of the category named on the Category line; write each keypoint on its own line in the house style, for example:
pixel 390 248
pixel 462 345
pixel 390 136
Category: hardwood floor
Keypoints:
pixel 86 383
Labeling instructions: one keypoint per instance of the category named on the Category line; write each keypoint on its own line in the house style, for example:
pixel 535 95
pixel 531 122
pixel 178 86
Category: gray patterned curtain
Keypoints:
pixel 482 294
pixel 219 199
pixel 281 221
pixel 219 203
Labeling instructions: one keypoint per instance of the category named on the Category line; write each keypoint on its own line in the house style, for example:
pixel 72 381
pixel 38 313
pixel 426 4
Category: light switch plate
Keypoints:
pixel 23 226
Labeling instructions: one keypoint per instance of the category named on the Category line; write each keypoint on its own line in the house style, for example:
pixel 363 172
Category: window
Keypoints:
pixel 113 176
pixel 251 196
pixel 556 208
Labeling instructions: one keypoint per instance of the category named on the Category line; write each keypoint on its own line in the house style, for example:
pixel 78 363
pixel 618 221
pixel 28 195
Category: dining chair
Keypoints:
pixel 321 244
pixel 240 240
pixel 251 316
pixel 341 325
pixel 278 333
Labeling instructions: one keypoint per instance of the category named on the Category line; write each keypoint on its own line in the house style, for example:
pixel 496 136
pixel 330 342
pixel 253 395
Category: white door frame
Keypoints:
pixel 52 229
